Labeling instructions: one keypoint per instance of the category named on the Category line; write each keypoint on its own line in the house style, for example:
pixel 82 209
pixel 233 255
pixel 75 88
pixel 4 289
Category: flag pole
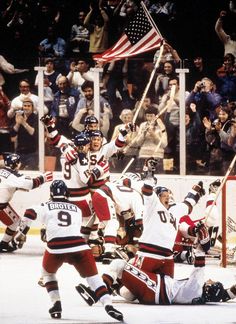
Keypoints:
pixel 149 83
pixel 152 22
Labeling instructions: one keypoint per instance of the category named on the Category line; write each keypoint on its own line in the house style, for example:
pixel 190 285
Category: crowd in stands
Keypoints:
pixel 64 35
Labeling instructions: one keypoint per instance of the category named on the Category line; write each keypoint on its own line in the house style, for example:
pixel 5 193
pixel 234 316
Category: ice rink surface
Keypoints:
pixel 23 301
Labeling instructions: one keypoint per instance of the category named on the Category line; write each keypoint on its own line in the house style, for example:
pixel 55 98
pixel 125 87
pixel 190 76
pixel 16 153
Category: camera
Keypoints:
pixel 20 111
pixel 201 86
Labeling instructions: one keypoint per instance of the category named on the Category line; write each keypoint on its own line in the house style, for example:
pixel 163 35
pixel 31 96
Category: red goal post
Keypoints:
pixel 228 217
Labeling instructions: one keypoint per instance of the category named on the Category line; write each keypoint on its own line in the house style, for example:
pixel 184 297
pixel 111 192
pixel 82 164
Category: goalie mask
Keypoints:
pixel 213 291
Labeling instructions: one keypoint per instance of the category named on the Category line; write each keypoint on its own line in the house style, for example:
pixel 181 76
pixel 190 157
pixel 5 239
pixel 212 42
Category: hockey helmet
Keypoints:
pixel 11 160
pixel 159 190
pixel 58 190
pixel 81 139
pixel 95 133
pixel 90 120
pixel 213 291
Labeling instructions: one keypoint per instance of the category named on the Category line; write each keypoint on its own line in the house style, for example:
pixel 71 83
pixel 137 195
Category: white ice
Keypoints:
pixel 22 301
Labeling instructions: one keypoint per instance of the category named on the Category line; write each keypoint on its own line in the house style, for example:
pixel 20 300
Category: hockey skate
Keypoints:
pixel 114 313
pixel 6 247
pixel 87 294
pixel 56 310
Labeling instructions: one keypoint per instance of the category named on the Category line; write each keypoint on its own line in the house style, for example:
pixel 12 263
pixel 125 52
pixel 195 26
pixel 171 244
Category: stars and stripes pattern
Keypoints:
pixel 139 36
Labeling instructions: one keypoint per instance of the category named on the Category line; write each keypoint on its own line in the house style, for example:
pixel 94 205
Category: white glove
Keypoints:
pixel 48 176
pixel 70 154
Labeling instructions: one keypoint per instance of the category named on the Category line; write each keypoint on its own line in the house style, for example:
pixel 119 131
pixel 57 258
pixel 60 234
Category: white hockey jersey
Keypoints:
pixel 10 181
pixel 181 291
pixel 160 227
pixel 125 199
pixel 105 152
pixel 63 222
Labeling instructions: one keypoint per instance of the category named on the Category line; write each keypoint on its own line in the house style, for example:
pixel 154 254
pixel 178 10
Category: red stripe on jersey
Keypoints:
pixel 147 190
pixel 107 191
pixel 78 192
pixel 31 214
pixel 54 141
pixel 199 261
pixel 66 242
pixel 163 298
pixel 110 239
pixel 95 184
pixel 154 249
pixel 119 143
pixel 209 203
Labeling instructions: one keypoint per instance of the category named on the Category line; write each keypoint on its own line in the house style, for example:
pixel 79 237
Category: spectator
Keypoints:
pixel 25 132
pixel 193 140
pixel 161 84
pixel 198 70
pixel 151 140
pixel 86 107
pixel 147 103
pixel 232 136
pixel 79 36
pixel 116 79
pixel 79 73
pixel 7 68
pixel 170 108
pixel 52 45
pixel 50 82
pixel 16 104
pixel 229 41
pixel 97 23
pixel 216 134
pixel 51 76
pixel 5 124
pixel 169 54
pixel 126 117
pixel 226 81
pixel 64 106
pixel 205 97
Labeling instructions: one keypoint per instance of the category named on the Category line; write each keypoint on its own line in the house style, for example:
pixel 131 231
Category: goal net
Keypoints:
pixel 229 222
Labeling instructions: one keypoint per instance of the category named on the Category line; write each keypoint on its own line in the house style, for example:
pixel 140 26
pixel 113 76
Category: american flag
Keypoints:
pixel 139 36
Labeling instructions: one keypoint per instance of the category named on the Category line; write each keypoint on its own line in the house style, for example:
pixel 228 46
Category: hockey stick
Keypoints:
pixel 149 83
pixel 126 168
pixel 221 186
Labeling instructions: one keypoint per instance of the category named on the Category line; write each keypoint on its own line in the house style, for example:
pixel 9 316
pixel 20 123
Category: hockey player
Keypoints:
pixel 65 244
pixel 150 288
pixel 113 203
pixel 183 248
pixel 11 181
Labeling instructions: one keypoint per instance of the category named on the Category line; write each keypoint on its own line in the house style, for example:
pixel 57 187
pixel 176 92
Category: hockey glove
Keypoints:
pixel 127 128
pixel 201 232
pixel 101 168
pixel 70 153
pixel 20 239
pixel 48 176
pixel 199 188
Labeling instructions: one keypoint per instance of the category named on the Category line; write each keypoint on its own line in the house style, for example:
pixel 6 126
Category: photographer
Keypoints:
pixel 79 73
pixel 25 135
pixel 205 97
